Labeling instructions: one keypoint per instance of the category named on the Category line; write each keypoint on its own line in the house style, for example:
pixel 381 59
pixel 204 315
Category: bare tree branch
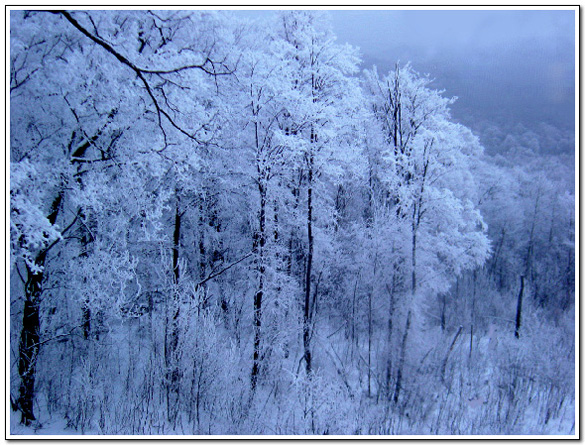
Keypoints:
pixel 141 72
pixel 229 266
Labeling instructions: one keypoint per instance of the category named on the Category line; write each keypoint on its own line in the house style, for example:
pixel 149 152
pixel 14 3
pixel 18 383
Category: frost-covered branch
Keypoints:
pixel 229 266
pixel 141 72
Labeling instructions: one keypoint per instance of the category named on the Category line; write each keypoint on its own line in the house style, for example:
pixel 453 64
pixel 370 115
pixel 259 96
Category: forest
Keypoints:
pixel 221 226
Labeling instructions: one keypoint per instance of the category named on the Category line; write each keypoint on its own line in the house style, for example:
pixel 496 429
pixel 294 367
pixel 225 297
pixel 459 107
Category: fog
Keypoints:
pixel 512 66
pixel 515 65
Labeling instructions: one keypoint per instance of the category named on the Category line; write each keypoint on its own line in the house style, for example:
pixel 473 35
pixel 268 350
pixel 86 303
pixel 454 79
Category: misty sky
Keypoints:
pixel 512 65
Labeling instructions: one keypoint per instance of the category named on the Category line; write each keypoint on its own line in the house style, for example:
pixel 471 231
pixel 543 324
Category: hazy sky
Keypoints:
pixel 517 65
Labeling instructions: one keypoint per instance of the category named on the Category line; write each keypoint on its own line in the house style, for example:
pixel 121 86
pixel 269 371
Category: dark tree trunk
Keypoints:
pixel 354 339
pixel 307 315
pixel 260 242
pixel 402 357
pixel 176 277
pixel 86 313
pixel 29 344
pixel 292 241
pixel 173 370
pixel 370 207
pixel 201 242
pixel 519 308
pixel 413 278
pixel 370 343
pixel 263 172
pixel 28 348
pixel 85 240
pixel 390 329
pixel 176 242
pixel 370 326
pixel 472 315
pixel 444 366
pixel 528 270
pixel 443 311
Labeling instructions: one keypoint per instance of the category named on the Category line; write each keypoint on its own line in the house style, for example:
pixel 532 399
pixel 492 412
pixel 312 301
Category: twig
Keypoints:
pixel 55 337
pixel 44 252
pixel 229 266
pixel 444 367
pixel 140 72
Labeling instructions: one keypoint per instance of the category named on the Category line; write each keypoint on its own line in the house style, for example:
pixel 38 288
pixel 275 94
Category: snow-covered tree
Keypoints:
pixel 321 102
pixel 223 227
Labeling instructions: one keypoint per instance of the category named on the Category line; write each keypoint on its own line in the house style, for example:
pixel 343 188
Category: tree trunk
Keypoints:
pixel 354 339
pixel 260 241
pixel 519 308
pixel 472 315
pixel 413 277
pixel 306 318
pixel 176 242
pixel 443 311
pixel 444 366
pixel 28 348
pixel 370 344
pixel 173 370
pixel 201 242
pixel 530 250
pixel 296 193
pixel 370 207
pixel 370 326
pixel 29 344
pixel 85 239
pixel 86 314
pixel 176 277
pixel 402 357
pixel 390 328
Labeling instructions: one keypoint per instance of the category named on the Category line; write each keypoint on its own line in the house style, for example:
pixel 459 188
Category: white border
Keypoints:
pixel 205 438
